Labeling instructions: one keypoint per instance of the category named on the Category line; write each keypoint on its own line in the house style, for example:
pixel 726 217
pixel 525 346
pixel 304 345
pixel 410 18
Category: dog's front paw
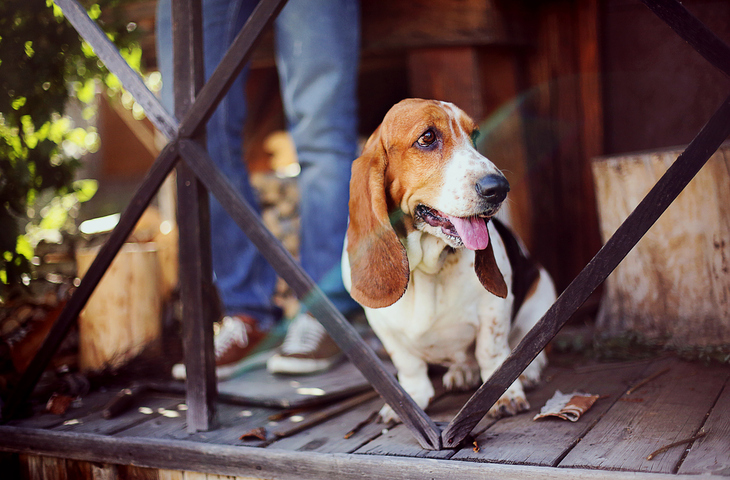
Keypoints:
pixel 511 403
pixel 421 396
pixel 387 415
pixel 461 376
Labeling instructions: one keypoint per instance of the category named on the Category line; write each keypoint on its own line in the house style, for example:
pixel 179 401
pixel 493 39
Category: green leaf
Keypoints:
pixel 87 92
pixel 18 102
pixel 24 247
pixel 85 189
pixel 54 217
pixel 95 11
pixel 29 49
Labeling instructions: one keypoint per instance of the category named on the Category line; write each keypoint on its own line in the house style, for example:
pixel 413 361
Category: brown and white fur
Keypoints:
pixel 427 262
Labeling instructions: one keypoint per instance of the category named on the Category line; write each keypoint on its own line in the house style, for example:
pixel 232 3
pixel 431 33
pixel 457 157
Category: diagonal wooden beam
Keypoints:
pixel 109 55
pixel 616 248
pixel 344 334
pixel 693 31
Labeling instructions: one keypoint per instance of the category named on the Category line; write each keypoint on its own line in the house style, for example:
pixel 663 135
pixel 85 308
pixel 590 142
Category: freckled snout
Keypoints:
pixel 493 188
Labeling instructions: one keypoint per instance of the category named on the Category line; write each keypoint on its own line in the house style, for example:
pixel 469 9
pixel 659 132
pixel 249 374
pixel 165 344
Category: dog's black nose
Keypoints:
pixel 493 188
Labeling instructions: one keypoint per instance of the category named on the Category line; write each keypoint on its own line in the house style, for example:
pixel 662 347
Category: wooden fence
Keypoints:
pixel 197 175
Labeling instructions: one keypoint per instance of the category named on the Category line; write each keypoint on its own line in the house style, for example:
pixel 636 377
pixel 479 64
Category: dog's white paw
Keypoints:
pixel 461 376
pixel 511 403
pixel 387 415
pixel 421 395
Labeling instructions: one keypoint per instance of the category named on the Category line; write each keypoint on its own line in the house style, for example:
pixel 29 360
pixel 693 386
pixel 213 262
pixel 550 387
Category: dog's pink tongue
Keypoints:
pixel 473 232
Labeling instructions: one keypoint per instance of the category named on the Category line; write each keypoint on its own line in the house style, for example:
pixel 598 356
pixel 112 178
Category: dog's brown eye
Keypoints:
pixel 427 139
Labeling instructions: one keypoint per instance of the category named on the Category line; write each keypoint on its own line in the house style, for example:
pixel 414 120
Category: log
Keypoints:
pixel 673 288
pixel 122 317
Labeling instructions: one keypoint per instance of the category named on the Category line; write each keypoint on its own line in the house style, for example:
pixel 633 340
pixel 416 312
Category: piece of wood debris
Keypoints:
pixel 371 418
pixel 646 380
pixel 258 433
pixel 325 414
pixel 691 439
pixel 568 406
pixel 59 404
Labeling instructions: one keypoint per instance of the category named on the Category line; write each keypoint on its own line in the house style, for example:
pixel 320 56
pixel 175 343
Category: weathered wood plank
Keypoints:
pixel 78 470
pixel 235 421
pixel 711 454
pixel 170 475
pixel 142 411
pixel 328 437
pixel 54 468
pixel 259 387
pixel 669 408
pixel 280 464
pixel 133 472
pixel 43 419
pixel 398 441
pixel 31 466
pixel 673 287
pixel 521 440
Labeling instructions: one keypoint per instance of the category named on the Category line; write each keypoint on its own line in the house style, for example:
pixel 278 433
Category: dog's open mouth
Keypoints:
pixel 472 231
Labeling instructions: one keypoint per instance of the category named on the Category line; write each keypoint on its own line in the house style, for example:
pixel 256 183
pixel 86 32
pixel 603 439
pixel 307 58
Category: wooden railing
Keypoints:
pixel 197 175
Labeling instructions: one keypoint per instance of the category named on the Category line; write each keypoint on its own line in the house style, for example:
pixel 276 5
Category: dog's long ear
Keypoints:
pixel 488 272
pixel 378 261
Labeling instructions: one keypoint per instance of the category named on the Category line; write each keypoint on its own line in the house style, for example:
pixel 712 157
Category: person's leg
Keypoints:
pixel 318 47
pixel 244 279
pixel 318 43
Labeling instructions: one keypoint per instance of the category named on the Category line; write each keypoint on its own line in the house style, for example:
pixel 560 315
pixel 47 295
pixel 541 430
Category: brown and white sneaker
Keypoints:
pixel 236 338
pixel 307 349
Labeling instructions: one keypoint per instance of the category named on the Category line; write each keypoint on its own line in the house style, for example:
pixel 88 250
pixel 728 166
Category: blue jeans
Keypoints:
pixel 317 43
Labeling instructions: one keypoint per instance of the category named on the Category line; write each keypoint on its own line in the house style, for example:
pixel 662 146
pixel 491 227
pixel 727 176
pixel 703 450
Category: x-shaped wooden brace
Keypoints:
pixel 195 157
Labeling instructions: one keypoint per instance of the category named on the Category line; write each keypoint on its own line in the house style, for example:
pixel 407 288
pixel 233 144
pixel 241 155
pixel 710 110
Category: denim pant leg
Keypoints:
pixel 318 43
pixel 244 279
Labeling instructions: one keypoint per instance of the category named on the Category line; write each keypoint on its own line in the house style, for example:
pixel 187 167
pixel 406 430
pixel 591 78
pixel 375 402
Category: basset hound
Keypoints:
pixel 441 280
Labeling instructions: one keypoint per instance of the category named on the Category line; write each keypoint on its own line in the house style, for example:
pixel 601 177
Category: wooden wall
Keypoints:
pixel 659 91
pixel 553 83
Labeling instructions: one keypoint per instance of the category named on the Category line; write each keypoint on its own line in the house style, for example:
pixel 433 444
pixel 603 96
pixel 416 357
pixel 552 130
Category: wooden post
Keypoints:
pixel 196 272
pixel 674 285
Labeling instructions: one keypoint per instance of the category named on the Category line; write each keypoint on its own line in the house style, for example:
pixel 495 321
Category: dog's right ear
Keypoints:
pixel 378 261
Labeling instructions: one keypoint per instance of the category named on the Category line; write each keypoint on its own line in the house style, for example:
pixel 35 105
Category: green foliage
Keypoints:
pixel 43 62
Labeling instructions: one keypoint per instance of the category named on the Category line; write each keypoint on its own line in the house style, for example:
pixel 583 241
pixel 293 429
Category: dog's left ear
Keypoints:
pixel 488 272
pixel 378 261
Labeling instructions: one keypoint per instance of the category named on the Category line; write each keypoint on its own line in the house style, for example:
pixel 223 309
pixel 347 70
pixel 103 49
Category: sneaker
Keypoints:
pixel 306 349
pixel 235 339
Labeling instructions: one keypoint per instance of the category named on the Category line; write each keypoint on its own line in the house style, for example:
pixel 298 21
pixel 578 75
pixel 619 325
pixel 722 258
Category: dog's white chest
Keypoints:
pixel 439 315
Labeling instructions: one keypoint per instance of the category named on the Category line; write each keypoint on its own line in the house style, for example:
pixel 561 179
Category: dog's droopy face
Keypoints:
pixel 435 173
pixel 420 163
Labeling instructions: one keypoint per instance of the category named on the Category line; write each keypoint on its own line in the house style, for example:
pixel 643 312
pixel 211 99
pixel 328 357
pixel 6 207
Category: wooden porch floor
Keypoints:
pixel 643 406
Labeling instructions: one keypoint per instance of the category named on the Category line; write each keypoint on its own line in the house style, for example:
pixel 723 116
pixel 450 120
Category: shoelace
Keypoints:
pixel 303 336
pixel 231 331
